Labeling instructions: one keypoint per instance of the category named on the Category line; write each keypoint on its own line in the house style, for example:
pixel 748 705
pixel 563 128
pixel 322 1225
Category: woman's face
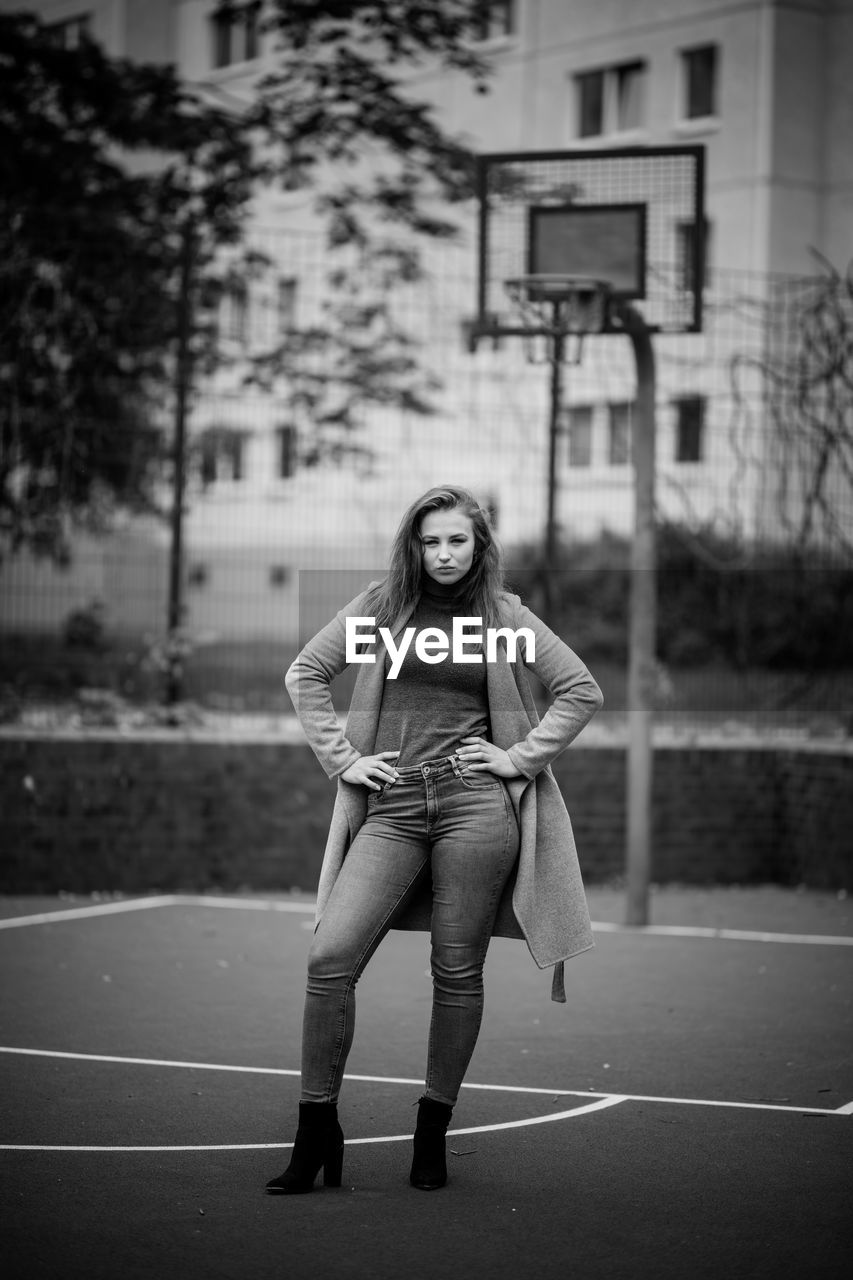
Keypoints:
pixel 447 538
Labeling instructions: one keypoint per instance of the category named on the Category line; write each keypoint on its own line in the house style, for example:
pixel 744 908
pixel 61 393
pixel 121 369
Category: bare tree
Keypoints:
pixel 806 391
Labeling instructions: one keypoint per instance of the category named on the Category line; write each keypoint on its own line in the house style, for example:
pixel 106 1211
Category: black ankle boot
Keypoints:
pixel 429 1166
pixel 319 1141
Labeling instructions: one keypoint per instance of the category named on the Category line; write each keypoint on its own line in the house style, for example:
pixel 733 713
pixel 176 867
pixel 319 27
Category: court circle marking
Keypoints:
pixel 599 1105
pixel 601 1102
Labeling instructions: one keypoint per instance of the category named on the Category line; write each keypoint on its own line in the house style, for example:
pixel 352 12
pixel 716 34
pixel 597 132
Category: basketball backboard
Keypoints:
pixel 632 218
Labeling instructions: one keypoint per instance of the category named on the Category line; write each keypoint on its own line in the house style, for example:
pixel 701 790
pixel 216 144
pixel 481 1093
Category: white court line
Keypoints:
pixel 499 1088
pixel 160 900
pixel 85 913
pixel 729 935
pixel 283 1071
pixel 244 904
pixel 612 1100
pixel 160 1062
pixel 271 904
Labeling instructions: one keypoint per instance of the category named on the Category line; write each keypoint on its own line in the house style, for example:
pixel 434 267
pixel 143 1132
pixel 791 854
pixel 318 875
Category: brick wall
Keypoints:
pixel 128 814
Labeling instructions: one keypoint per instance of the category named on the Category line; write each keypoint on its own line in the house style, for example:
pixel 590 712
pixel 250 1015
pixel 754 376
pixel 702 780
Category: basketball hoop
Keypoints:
pixel 554 226
pixel 631 216
pixel 556 308
pixel 560 304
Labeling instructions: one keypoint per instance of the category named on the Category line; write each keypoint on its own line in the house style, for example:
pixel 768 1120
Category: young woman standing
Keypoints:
pixel 447 816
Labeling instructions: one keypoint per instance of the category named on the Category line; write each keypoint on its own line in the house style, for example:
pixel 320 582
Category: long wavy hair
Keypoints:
pixel 400 590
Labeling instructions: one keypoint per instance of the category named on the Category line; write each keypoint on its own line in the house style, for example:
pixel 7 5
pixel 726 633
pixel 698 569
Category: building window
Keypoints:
pixel 610 100
pixel 235 34
pixel 235 457
pixel 629 87
pixel 700 68
pixel 590 97
pixel 208 461
pixel 72 32
pixel 495 19
pixel 286 437
pixel 234 317
pixel 619 434
pixel 223 456
pixel 685 247
pixel 286 304
pixel 580 435
pixel 689 429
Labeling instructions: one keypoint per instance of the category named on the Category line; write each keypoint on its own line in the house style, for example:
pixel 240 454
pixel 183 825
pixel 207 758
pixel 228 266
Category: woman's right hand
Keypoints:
pixel 372 771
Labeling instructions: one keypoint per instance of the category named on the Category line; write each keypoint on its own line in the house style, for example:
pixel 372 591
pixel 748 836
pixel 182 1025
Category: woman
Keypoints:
pixel 447 816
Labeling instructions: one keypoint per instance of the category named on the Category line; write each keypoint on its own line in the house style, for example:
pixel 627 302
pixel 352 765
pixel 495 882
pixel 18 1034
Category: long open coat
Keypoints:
pixel 544 901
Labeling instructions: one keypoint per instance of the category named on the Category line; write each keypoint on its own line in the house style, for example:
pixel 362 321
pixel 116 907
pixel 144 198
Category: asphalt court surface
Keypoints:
pixel 688 1112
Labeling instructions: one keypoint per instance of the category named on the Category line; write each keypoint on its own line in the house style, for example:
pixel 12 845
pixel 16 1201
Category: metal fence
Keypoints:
pixel 316 424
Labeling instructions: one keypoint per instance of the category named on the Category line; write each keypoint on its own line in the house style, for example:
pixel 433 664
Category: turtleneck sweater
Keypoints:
pixel 430 707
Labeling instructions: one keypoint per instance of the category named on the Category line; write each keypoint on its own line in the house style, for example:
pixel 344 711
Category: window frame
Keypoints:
pixel 222 456
pixel 610 80
pixel 687 57
pixel 234 313
pixel 685 247
pixel 287 441
pixel 580 415
pixel 613 406
pixel 581 79
pixel 286 302
pixel 225 22
pixel 489 27
pixel 640 67
pixel 80 24
pixel 684 424
pixel 233 450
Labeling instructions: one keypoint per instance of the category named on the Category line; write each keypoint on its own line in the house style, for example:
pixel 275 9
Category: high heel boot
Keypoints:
pixel 319 1141
pixel 429 1165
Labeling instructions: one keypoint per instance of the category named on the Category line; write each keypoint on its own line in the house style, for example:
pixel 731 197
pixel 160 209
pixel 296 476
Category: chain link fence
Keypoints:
pixel 317 414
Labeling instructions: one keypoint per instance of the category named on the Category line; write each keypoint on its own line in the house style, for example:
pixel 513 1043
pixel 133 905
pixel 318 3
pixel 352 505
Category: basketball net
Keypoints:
pixel 554 308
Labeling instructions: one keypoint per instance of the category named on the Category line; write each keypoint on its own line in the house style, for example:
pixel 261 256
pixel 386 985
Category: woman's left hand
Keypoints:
pixel 483 756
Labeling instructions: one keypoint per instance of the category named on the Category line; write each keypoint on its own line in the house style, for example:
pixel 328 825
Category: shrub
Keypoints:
pixel 719 602
pixel 85 629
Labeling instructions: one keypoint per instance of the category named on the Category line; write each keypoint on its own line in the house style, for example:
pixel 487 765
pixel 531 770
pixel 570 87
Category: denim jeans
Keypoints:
pixel 437 819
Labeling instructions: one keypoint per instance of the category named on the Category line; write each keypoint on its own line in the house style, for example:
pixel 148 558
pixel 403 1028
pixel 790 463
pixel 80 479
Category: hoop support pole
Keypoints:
pixel 556 345
pixel 642 628
pixel 183 388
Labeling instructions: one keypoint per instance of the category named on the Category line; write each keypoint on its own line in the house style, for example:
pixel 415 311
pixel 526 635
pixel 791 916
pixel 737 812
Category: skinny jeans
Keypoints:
pixel 441 821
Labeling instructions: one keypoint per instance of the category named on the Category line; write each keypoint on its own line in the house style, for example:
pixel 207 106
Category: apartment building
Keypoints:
pixel 762 85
